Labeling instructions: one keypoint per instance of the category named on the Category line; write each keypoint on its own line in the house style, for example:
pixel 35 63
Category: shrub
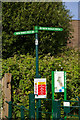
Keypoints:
pixel 23 68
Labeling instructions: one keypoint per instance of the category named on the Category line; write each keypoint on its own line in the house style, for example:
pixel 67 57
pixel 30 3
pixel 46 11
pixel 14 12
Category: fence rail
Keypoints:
pixel 22 108
pixel 60 112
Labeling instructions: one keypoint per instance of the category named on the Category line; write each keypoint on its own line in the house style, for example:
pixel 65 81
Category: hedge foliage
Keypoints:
pixel 24 17
pixel 23 67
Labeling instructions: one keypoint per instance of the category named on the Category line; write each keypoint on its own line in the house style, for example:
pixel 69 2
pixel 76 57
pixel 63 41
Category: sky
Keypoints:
pixel 74 8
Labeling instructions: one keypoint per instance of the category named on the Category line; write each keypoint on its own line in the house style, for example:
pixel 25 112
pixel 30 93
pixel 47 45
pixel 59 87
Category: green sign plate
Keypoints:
pixel 50 28
pixel 24 32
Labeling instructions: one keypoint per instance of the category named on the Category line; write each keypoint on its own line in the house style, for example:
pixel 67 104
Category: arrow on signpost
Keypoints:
pixel 24 32
pixel 50 28
pixel 40 28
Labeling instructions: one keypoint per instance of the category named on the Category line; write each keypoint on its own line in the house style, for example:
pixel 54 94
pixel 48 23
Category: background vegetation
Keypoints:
pixel 23 16
pixel 23 71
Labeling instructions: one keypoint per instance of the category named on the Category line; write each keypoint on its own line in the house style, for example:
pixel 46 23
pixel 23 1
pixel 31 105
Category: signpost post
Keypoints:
pixel 38 101
pixel 35 31
pixel 36 44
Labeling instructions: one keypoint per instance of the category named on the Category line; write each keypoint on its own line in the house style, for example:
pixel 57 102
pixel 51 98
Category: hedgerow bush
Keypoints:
pixel 23 73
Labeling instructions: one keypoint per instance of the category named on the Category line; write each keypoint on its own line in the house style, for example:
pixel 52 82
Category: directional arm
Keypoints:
pixel 24 32
pixel 50 28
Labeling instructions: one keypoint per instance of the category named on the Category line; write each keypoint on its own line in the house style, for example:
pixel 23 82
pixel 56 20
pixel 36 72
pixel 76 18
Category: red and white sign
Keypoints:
pixel 40 87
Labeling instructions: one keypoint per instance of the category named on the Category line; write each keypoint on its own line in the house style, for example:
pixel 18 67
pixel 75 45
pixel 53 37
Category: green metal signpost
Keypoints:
pixel 36 44
pixel 35 31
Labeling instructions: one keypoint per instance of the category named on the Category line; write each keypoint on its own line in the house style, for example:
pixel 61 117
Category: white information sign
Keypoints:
pixel 67 104
pixel 59 81
pixel 40 87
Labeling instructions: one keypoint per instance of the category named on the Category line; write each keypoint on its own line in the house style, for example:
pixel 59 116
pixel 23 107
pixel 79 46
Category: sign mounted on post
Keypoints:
pixel 67 104
pixel 58 84
pixel 59 81
pixel 24 32
pixel 50 28
pixel 40 87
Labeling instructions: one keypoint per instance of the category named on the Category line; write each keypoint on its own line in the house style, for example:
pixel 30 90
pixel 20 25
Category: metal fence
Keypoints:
pixel 44 112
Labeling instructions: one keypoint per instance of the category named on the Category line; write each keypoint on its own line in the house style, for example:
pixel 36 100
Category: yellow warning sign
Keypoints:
pixel 41 83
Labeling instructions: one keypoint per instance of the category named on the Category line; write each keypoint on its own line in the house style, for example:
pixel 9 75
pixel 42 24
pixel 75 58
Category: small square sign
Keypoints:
pixel 67 104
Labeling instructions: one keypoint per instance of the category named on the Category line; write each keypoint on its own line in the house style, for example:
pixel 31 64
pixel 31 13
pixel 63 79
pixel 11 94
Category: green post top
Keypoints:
pixel 36 29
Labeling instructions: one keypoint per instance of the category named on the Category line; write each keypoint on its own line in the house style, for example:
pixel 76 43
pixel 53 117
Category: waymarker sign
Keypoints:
pixel 24 32
pixel 50 28
pixel 36 31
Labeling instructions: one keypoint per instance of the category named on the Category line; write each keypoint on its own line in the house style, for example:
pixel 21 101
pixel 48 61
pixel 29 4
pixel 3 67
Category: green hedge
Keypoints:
pixel 23 68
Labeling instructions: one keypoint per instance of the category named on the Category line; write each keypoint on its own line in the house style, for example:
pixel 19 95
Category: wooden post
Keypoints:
pixel 6 88
pixel 0 97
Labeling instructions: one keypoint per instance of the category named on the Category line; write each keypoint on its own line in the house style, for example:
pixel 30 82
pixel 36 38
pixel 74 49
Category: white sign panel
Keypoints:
pixel 59 81
pixel 67 104
pixel 40 87
pixel 36 42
